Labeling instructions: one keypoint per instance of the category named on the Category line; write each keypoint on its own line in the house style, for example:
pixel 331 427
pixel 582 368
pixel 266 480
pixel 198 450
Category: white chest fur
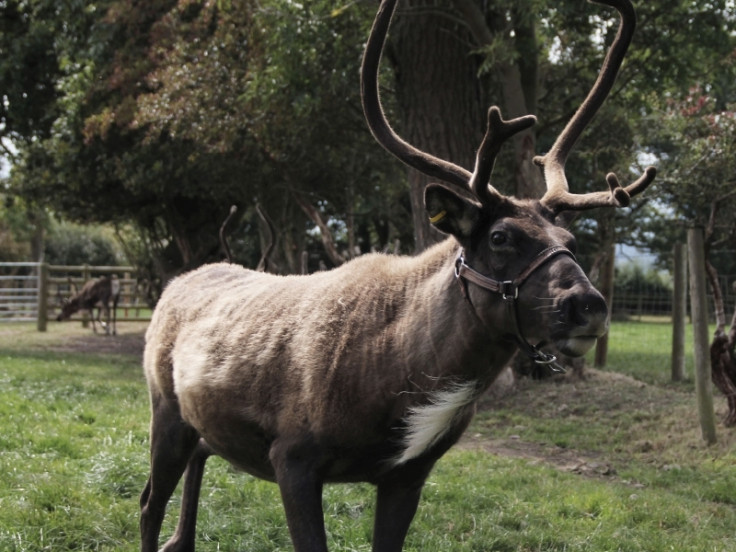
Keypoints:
pixel 427 424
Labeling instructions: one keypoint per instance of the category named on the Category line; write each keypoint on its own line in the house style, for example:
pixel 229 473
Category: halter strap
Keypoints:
pixel 509 290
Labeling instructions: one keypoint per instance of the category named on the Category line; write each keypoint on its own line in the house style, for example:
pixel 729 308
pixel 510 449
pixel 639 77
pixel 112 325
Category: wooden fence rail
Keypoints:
pixel 36 291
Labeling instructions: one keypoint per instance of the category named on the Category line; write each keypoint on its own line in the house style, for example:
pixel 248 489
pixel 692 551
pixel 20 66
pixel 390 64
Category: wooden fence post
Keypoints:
pixel 86 275
pixel 679 311
pixel 699 310
pixel 42 300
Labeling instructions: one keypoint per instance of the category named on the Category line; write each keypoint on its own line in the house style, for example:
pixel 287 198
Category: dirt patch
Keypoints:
pixel 659 424
pixel 564 459
pixel 563 395
pixel 560 397
pixel 128 341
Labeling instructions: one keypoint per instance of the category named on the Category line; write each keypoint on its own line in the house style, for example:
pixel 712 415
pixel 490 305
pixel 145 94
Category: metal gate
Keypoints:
pixel 19 292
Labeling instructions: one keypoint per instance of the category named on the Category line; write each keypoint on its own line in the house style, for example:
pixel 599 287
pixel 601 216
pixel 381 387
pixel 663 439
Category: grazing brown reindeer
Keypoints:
pixel 95 293
pixel 370 372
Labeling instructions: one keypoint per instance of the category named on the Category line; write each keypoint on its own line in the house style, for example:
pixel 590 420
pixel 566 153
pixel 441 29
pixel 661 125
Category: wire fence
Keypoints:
pixel 648 294
pixel 640 293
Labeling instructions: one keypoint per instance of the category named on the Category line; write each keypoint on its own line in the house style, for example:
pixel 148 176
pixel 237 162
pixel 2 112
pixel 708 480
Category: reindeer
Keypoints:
pixel 95 293
pixel 371 371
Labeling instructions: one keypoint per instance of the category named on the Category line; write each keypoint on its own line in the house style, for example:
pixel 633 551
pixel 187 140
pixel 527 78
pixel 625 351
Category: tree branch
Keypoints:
pixel 314 215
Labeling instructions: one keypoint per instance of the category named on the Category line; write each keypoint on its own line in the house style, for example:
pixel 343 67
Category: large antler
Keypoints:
pixel 558 197
pixel 497 133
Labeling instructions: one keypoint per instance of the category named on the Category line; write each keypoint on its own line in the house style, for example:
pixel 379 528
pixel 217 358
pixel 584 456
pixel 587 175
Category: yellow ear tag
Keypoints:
pixel 438 217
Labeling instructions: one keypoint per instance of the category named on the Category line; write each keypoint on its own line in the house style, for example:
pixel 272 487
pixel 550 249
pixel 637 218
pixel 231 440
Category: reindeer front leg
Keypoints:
pixel 301 493
pixel 395 509
pixel 106 323
pixel 397 501
pixel 92 318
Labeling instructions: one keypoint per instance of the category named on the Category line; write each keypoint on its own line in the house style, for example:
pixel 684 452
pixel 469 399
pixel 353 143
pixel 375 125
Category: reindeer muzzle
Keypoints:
pixel 509 290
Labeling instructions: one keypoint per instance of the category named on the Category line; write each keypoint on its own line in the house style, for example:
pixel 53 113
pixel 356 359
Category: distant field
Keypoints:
pixel 642 349
pixel 614 462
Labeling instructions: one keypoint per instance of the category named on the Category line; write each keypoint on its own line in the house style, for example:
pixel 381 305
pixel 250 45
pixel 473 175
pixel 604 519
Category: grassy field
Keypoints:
pixel 613 462
pixel 642 350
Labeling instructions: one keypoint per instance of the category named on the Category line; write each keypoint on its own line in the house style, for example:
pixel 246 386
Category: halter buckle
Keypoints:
pixel 548 360
pixel 509 290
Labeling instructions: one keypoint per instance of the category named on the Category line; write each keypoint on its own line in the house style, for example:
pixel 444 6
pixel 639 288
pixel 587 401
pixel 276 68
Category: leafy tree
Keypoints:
pixel 696 136
pixel 174 112
pixel 28 70
pixel 33 36
pixel 538 57
pixel 71 244
pixel 165 114
pixel 15 232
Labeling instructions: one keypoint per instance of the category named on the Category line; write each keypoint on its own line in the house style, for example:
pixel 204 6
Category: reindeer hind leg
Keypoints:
pixel 106 323
pixel 115 315
pixel 173 443
pixel 183 538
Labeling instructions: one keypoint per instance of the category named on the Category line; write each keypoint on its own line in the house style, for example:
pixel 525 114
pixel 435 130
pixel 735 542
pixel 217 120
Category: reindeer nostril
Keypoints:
pixel 587 309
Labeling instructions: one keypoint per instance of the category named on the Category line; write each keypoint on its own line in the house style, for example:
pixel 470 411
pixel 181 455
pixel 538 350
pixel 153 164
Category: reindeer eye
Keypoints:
pixel 498 238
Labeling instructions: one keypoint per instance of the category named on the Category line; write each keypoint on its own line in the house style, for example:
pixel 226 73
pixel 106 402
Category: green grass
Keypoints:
pixel 73 459
pixel 643 350
pixel 73 433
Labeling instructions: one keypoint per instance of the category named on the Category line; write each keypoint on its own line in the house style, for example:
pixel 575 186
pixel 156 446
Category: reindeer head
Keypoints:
pixel 68 308
pixel 513 255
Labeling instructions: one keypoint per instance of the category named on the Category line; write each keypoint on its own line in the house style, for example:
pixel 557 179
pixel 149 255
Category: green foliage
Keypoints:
pixel 162 116
pixel 632 277
pixel 28 69
pixel 676 46
pixel 15 231
pixel 175 112
pixel 696 137
pixel 71 244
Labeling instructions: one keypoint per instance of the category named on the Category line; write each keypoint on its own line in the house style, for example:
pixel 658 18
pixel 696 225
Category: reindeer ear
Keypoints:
pixel 451 212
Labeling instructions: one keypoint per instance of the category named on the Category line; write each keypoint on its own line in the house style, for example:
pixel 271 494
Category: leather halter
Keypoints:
pixel 509 290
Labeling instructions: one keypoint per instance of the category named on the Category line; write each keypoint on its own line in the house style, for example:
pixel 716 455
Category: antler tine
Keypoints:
pixel 558 197
pixel 497 132
pixel 376 118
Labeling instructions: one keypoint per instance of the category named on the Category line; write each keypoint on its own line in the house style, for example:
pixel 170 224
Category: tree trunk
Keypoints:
pixel 438 94
pixel 518 82
pixel 442 101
